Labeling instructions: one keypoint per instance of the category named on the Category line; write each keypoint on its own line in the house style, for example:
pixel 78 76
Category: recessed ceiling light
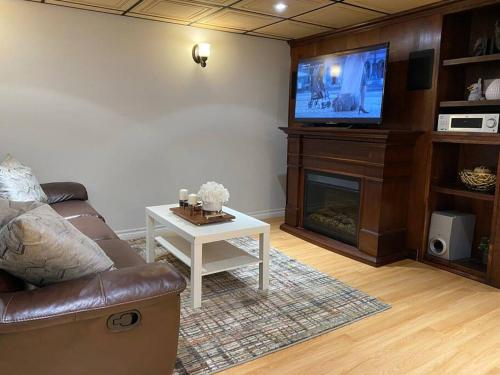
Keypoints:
pixel 280 7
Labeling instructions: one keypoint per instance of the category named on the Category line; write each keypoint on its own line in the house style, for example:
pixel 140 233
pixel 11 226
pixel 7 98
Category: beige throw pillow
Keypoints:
pixel 18 183
pixel 41 247
pixel 10 209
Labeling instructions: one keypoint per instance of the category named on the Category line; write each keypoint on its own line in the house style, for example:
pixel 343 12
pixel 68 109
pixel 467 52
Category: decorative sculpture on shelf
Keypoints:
pixel 481 46
pixel 488 44
pixel 476 91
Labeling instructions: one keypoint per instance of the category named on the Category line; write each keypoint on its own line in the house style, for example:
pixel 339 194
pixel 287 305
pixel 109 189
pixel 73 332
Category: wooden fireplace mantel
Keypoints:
pixel 381 159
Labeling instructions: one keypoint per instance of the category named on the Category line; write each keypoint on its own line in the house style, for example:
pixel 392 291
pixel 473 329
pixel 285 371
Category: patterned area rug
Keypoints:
pixel 238 323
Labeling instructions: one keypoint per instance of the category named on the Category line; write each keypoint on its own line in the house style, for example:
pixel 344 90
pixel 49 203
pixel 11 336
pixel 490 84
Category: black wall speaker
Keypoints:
pixel 420 67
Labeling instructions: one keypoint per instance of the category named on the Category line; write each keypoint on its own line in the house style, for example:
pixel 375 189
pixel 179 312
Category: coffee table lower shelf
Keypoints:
pixel 218 256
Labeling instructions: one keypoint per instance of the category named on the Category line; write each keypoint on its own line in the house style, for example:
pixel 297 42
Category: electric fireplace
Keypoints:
pixel 331 205
pixel 347 190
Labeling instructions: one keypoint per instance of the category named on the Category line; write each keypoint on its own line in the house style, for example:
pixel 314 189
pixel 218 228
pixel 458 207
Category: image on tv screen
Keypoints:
pixel 343 87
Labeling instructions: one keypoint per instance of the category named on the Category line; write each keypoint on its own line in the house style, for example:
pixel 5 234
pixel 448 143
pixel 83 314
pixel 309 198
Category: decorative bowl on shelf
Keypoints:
pixel 493 90
pixel 478 179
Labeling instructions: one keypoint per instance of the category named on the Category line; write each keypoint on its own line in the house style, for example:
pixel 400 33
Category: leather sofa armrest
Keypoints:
pixel 64 191
pixel 89 297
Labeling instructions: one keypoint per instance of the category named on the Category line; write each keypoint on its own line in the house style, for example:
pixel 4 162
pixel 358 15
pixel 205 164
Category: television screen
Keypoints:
pixel 345 87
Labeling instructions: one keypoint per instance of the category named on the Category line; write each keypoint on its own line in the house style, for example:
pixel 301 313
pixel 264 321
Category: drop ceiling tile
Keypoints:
pixel 176 11
pixel 268 36
pixel 217 2
pixel 220 28
pixel 146 17
pixel 235 19
pixel 109 6
pixel 391 6
pixel 339 15
pixel 291 29
pixel 294 8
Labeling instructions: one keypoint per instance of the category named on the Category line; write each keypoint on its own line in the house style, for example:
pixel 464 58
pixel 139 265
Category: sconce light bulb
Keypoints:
pixel 204 49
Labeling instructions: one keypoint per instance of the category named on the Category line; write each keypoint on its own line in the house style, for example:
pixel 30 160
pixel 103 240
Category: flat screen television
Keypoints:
pixel 342 88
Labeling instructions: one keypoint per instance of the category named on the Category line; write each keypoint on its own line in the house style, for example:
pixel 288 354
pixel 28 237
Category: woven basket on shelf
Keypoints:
pixel 479 179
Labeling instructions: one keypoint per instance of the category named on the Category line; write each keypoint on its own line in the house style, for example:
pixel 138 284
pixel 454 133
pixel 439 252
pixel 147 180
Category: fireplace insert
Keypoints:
pixel 331 205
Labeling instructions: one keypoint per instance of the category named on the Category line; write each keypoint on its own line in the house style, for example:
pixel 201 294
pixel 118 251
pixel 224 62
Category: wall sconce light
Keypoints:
pixel 201 53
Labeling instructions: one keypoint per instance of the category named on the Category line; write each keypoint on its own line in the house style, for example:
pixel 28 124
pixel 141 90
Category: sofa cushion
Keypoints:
pixel 121 253
pixel 64 191
pixel 73 209
pixel 94 228
pixel 18 183
pixel 42 248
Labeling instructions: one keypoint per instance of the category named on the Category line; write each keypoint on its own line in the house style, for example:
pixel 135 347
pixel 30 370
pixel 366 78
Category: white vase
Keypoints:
pixel 212 206
pixel 493 90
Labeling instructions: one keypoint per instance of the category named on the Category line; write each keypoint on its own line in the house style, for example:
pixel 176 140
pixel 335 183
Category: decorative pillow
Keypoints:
pixel 41 247
pixel 10 209
pixel 17 182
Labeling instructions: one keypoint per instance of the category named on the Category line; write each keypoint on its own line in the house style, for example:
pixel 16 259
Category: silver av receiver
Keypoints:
pixel 480 123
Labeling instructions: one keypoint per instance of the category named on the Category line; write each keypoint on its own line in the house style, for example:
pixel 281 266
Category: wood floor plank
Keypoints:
pixel 439 323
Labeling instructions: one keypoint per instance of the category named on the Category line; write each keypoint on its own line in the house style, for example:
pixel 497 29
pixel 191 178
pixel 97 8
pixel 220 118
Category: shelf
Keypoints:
pixel 461 192
pixel 472 60
pixel 467 138
pixel 217 256
pixel 470 103
pixel 469 267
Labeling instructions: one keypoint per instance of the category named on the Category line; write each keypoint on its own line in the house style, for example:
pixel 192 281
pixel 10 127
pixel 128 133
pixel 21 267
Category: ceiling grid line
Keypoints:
pixel 301 14
pixel 301 18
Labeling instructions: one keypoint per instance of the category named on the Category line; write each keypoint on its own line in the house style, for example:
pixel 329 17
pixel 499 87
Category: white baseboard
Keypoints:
pixel 267 214
pixel 131 234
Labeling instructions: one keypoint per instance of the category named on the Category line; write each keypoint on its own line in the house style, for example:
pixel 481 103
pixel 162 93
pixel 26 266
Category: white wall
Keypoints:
pixel 118 104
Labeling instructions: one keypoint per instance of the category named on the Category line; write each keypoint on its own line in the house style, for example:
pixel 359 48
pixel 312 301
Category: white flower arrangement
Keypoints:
pixel 213 196
pixel 212 192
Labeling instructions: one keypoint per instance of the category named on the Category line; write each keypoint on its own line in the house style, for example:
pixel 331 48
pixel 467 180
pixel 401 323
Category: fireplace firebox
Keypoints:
pixel 331 205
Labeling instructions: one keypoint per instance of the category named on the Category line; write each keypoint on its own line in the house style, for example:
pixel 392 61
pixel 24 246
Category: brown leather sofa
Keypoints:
pixel 124 321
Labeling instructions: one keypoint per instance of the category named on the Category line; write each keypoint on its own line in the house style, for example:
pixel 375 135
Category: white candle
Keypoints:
pixel 183 194
pixel 192 199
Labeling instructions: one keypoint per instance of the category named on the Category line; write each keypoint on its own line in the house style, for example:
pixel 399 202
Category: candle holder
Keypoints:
pixel 183 198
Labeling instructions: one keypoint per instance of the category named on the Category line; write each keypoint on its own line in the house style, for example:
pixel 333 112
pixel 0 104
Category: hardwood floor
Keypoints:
pixel 439 323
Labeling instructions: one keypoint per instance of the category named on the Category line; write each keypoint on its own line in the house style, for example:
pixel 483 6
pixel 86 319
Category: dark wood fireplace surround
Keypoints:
pixel 398 194
pixel 381 159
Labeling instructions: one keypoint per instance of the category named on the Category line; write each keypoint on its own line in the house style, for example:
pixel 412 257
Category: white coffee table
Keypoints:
pixel 203 248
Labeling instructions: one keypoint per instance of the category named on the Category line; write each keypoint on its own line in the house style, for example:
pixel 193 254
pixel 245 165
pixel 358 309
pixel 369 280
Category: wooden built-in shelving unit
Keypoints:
pixel 472 60
pixel 454 151
pixel 466 138
pixel 459 191
pixel 469 103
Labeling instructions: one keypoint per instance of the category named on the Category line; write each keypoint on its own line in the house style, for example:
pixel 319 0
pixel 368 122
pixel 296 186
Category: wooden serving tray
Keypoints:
pixel 199 218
